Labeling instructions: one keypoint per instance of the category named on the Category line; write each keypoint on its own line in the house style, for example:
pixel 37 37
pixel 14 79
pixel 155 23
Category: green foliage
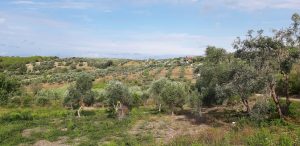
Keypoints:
pixel 174 94
pixel 101 96
pixel 261 138
pixel 99 85
pixel 80 93
pixel 155 90
pixel 136 93
pixel 116 93
pixel 215 55
pixel 89 98
pixel 103 65
pixel 42 101
pixel 211 81
pixel 285 140
pixel 170 93
pixel 195 100
pixel 261 110
pixel 8 87
pixel 18 63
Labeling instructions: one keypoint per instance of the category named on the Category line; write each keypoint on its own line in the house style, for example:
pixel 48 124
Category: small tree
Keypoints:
pixel 80 94
pixel 173 95
pixel 155 91
pixel 118 96
pixel 245 81
pixel 195 100
pixel 290 52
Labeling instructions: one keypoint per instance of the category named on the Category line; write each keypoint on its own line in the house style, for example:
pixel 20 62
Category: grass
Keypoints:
pixel 92 129
pixel 99 85
pixel 96 128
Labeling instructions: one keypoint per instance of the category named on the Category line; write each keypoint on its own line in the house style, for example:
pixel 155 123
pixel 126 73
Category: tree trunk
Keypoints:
pixel 276 100
pixel 200 112
pixel 246 104
pixel 78 111
pixel 288 101
pixel 159 108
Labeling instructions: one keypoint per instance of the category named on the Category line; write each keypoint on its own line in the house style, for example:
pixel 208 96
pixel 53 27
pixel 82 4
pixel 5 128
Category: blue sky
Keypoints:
pixel 133 28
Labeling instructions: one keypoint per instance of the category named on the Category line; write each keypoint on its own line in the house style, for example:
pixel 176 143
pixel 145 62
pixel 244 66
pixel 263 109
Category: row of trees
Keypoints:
pixel 119 98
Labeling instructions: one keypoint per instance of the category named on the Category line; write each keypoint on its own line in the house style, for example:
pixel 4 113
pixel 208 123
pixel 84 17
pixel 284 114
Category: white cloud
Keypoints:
pixel 253 4
pixel 28 2
pixel 55 4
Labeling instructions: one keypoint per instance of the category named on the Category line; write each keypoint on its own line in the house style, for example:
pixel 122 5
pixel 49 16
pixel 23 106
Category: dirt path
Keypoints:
pixel 165 128
pixel 292 99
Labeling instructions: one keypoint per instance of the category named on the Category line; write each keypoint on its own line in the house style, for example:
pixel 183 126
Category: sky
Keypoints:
pixel 133 28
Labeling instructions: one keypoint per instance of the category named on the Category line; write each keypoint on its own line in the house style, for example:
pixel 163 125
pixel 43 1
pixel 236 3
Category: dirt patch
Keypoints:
pixel 189 73
pixel 162 73
pixel 60 142
pixel 28 132
pixel 175 73
pixel 131 63
pixel 153 71
pixel 133 76
pixel 165 128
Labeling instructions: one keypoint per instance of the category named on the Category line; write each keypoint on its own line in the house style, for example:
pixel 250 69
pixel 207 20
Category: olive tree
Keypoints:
pixel 173 94
pixel 118 96
pixel 289 53
pixel 155 91
pixel 261 52
pixel 245 81
pixel 195 100
pixel 80 94
pixel 272 55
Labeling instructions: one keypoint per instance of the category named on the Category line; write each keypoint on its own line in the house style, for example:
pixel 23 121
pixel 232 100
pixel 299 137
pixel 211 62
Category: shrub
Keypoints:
pixel 261 109
pixel 88 98
pixel 136 93
pixel 15 101
pixel 42 101
pixel 8 86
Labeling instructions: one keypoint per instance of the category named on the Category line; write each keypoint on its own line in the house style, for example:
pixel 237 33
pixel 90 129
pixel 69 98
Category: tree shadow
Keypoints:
pixel 215 117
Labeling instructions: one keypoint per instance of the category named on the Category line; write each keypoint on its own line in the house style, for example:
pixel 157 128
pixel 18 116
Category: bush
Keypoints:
pixel 15 101
pixel 8 87
pixel 42 101
pixel 261 109
pixel 88 98
pixel 136 93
